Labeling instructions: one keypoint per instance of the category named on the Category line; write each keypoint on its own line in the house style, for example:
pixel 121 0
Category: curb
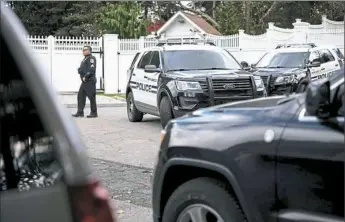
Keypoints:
pixel 119 98
pixel 98 105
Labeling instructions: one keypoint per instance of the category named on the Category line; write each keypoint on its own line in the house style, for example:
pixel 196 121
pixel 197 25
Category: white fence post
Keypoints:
pixel 300 31
pixel 240 38
pixel 269 33
pixel 51 45
pixel 111 63
pixel 141 43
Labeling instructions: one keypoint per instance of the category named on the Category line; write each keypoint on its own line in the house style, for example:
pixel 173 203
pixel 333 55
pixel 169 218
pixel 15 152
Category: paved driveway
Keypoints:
pixel 123 154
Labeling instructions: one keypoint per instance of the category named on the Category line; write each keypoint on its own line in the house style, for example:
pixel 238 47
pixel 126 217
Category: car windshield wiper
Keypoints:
pixel 277 67
pixel 172 70
pixel 215 69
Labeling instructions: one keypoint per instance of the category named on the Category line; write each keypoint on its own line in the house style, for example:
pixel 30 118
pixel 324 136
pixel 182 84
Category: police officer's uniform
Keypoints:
pixel 87 88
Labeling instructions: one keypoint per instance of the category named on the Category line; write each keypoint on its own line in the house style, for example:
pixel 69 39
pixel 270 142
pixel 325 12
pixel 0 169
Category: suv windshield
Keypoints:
pixel 283 60
pixel 199 60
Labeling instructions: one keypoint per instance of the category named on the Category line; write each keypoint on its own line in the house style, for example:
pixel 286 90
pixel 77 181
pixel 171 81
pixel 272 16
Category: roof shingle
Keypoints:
pixel 202 23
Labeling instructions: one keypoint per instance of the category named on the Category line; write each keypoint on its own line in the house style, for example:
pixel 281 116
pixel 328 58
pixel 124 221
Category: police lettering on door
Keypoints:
pixel 144 87
pixel 324 75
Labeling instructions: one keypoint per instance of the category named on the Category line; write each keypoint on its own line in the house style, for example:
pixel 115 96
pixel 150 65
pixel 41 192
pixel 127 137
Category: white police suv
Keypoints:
pixel 289 68
pixel 173 79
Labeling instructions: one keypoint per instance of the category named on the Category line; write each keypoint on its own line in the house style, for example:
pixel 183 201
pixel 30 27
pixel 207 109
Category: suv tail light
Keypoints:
pixel 90 203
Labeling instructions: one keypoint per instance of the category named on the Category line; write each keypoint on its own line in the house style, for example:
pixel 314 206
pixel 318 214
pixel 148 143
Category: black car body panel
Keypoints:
pixel 269 75
pixel 260 149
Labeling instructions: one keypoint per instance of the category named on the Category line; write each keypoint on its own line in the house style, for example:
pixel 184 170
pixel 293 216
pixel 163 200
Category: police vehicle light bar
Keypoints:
pixel 302 45
pixel 185 42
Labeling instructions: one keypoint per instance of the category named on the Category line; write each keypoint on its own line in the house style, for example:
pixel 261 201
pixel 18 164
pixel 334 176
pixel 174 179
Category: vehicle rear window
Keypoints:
pixel 199 60
pixel 283 60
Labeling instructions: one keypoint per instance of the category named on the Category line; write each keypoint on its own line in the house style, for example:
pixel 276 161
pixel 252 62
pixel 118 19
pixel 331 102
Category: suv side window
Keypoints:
pixel 314 55
pixel 145 60
pixel 27 157
pixel 155 59
pixel 338 53
pixel 326 56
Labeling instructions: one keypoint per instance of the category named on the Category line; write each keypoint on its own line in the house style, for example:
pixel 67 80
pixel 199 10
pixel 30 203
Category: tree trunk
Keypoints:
pixel 214 9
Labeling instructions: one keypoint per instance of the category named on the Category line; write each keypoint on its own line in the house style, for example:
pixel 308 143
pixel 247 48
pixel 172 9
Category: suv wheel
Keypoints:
pixel 165 111
pixel 202 199
pixel 302 87
pixel 133 114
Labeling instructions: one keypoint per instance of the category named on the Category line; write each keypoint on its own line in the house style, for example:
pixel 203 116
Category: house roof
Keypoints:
pixel 198 22
pixel 203 24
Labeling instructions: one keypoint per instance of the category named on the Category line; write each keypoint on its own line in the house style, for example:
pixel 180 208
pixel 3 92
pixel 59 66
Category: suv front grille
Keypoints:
pixel 228 90
pixel 203 85
pixel 265 80
pixel 232 87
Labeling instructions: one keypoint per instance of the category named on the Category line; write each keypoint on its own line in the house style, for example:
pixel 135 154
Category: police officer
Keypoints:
pixel 87 72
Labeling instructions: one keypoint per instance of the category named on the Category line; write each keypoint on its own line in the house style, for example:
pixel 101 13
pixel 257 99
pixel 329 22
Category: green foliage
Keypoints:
pixel 130 19
pixel 229 17
pixel 78 19
pixel 123 18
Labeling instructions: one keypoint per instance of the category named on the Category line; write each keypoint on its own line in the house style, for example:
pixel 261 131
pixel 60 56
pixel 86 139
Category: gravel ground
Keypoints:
pixel 123 154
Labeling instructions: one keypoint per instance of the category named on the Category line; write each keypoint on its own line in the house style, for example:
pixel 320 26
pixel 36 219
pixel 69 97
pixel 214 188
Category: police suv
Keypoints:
pixel 289 68
pixel 175 78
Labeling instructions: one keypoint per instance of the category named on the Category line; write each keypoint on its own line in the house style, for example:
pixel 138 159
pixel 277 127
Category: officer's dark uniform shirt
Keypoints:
pixel 87 68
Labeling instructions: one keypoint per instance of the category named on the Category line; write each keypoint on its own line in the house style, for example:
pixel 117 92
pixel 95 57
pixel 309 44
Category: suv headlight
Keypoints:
pixel 259 83
pixel 286 79
pixel 186 85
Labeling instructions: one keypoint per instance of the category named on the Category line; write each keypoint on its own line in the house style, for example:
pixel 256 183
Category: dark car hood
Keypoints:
pixel 276 71
pixel 238 113
pixel 194 74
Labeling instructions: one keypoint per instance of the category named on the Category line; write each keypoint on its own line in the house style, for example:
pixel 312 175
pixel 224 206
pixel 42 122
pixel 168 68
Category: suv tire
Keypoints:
pixel 207 192
pixel 134 115
pixel 165 111
pixel 302 87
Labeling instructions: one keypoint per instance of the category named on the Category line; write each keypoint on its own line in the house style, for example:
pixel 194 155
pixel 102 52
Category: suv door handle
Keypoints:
pixel 133 74
pixel 336 64
pixel 323 69
pixel 145 77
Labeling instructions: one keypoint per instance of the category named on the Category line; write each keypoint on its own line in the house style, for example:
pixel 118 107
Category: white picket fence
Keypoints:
pixel 61 56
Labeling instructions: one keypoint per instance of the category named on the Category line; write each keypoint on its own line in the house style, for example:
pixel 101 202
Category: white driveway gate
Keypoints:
pixel 61 56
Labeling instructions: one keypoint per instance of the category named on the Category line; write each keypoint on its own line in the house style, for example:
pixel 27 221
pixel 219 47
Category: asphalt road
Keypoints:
pixel 123 154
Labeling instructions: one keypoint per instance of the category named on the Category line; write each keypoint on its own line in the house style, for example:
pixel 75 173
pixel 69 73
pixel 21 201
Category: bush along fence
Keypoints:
pixel 61 56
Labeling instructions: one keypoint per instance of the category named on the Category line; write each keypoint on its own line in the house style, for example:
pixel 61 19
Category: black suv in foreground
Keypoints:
pixel 172 80
pixel 270 159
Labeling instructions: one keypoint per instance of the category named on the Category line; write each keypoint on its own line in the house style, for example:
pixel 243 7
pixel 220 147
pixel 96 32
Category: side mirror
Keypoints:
pixel 245 65
pixel 318 102
pixel 315 63
pixel 252 66
pixel 151 68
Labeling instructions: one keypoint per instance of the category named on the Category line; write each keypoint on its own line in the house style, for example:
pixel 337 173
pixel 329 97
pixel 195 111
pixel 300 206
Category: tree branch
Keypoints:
pixel 202 14
pixel 269 11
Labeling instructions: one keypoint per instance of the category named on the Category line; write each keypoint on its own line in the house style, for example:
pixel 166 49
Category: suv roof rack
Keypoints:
pixel 296 45
pixel 185 42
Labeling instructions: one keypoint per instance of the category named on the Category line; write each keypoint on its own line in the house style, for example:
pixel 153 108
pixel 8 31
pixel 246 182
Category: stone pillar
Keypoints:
pixel 111 63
